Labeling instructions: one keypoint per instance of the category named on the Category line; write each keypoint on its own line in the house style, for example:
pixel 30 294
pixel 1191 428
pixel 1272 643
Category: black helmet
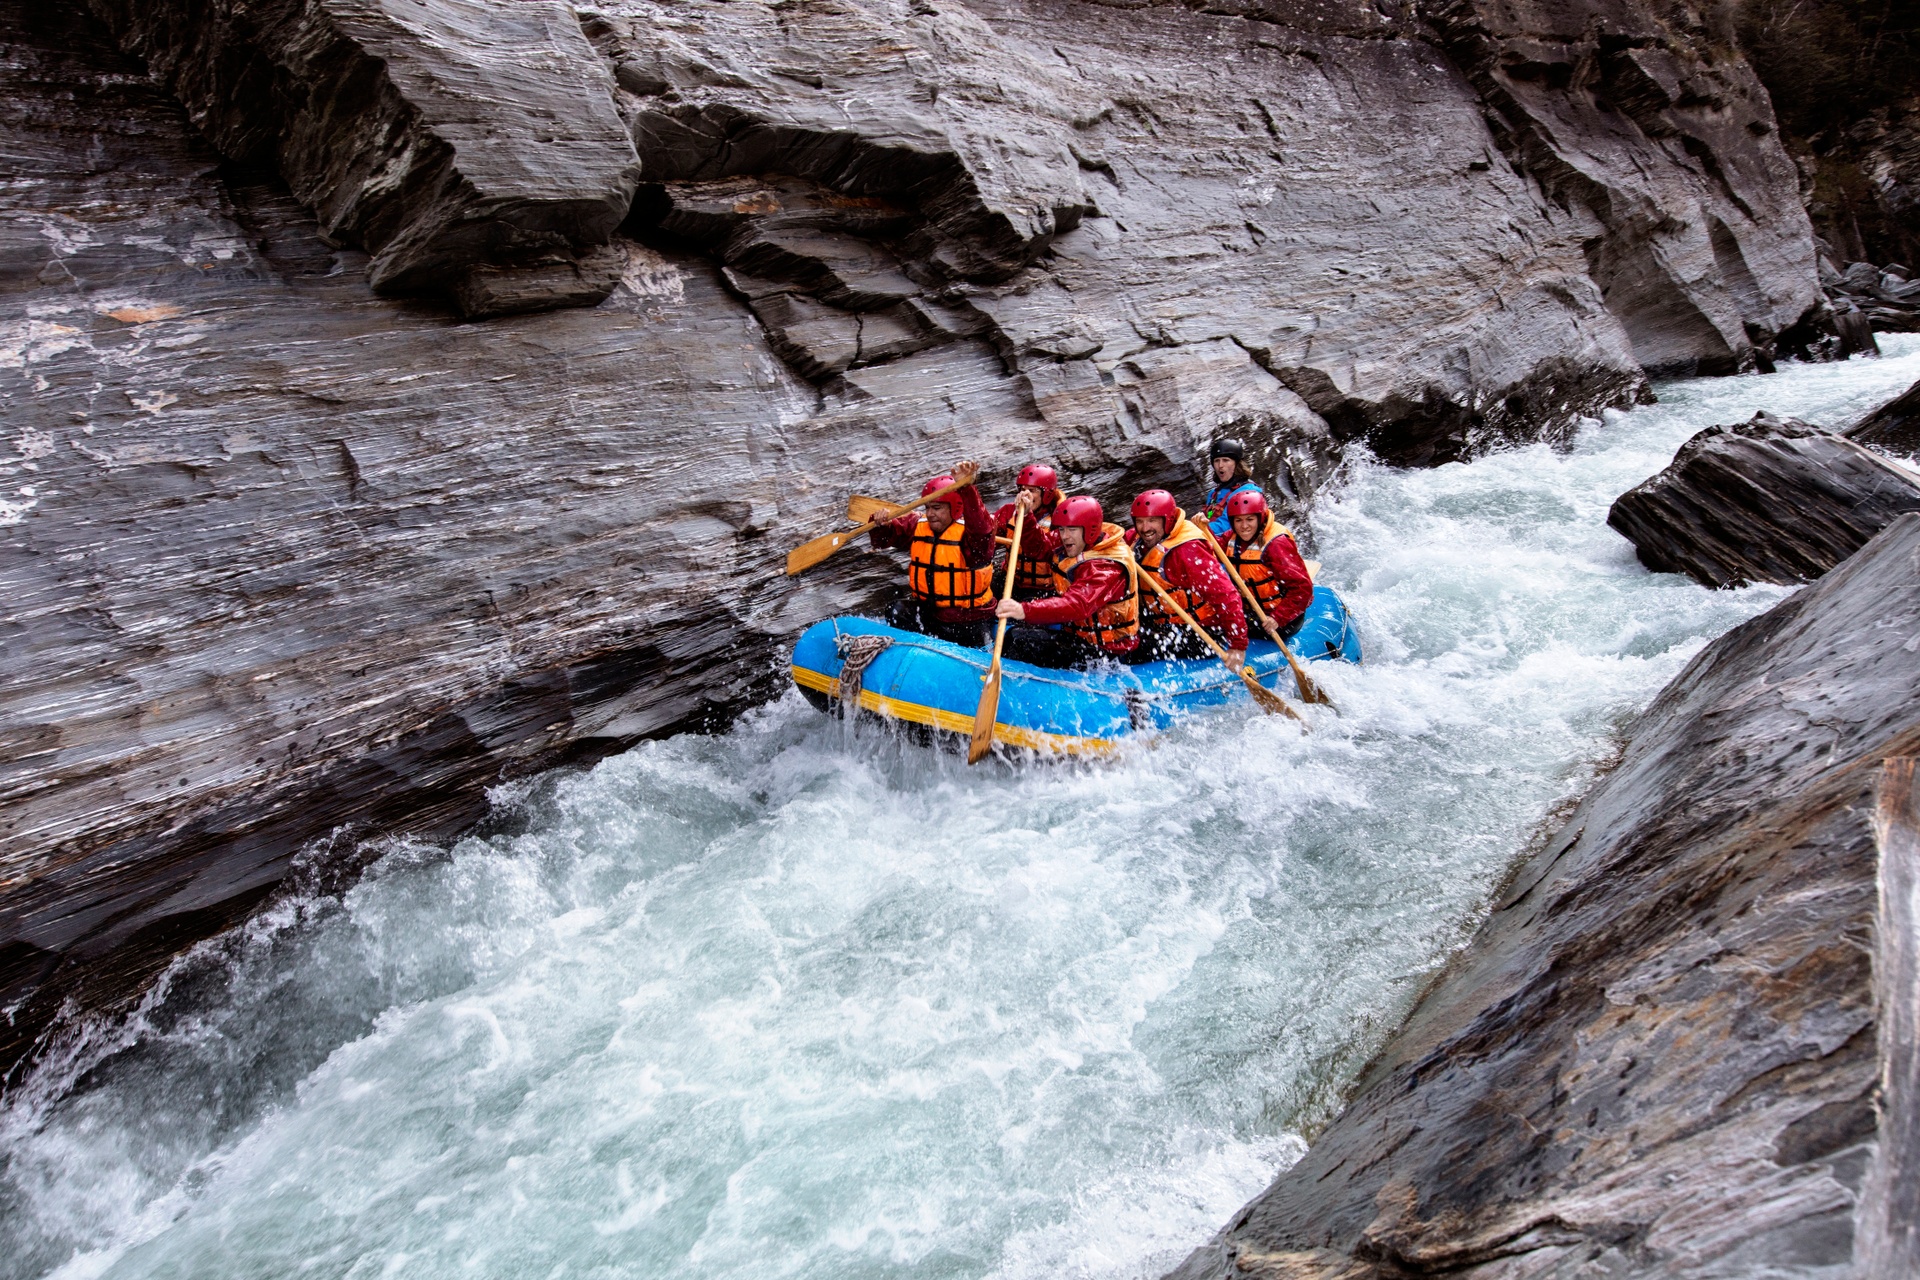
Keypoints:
pixel 1228 449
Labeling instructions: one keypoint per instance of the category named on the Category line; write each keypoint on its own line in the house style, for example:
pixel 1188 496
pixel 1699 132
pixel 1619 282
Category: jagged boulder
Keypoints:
pixel 1770 500
pixel 1894 427
pixel 1659 1057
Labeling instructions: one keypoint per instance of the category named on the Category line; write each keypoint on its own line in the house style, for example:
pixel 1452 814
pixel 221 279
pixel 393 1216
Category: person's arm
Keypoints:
pixel 976 541
pixel 1290 571
pixel 896 535
pixel 1096 583
pixel 1037 543
pixel 1194 567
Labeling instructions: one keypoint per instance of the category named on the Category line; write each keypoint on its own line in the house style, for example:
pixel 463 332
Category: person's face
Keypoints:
pixel 1073 540
pixel 1223 469
pixel 939 516
pixel 1148 530
pixel 1246 526
pixel 1032 493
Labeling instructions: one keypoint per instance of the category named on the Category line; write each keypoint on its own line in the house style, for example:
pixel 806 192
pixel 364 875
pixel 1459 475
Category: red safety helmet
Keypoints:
pixel 1154 502
pixel 1038 475
pixel 1247 502
pixel 1080 513
pixel 935 485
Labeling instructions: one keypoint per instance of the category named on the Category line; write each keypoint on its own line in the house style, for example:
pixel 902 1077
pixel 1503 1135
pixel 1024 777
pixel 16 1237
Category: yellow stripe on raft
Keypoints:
pixel 934 717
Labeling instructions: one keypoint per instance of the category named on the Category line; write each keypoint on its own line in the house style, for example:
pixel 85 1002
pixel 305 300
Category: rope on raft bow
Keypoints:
pixel 856 655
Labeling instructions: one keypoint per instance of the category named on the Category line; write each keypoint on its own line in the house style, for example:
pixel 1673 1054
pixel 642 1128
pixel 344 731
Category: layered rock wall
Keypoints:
pixel 1661 1055
pixel 286 546
pixel 470 147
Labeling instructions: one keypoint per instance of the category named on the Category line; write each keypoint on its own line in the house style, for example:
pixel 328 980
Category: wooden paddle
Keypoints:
pixel 1309 691
pixel 989 706
pixel 809 554
pixel 1272 702
pixel 861 508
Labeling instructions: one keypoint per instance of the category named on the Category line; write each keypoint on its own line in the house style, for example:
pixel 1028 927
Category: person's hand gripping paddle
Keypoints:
pixel 990 695
pixel 1270 701
pixel 1309 691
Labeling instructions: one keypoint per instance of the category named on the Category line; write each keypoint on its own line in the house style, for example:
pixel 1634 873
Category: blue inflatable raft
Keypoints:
pixel 930 682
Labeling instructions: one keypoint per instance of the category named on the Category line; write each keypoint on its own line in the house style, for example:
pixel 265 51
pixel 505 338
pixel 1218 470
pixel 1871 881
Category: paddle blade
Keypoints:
pixel 982 742
pixel 809 554
pixel 1269 701
pixel 1309 691
pixel 861 509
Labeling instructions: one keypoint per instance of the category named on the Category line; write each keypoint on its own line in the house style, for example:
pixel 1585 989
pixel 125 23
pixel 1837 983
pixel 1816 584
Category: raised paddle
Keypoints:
pixel 861 508
pixel 1272 702
pixel 809 554
pixel 1309 691
pixel 990 695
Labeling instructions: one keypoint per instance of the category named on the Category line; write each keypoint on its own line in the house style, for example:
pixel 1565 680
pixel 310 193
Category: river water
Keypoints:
pixel 809 1000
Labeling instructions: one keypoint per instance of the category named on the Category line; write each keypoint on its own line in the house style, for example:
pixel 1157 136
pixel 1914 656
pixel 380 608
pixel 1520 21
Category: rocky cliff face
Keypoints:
pixel 401 395
pixel 1660 1055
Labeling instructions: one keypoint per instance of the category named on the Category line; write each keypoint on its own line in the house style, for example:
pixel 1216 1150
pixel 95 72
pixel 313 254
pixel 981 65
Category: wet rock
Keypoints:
pixel 473 150
pixel 1855 331
pixel 1659 1056
pixel 1770 500
pixel 1894 427
pixel 1644 85
pixel 1889 1217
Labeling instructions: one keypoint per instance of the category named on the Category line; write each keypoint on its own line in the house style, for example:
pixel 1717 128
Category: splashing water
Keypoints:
pixel 806 1000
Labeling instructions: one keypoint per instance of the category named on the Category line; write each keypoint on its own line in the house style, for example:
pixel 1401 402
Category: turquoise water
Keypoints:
pixel 809 1000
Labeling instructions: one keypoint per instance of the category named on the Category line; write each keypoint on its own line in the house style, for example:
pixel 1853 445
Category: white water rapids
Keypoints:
pixel 799 1000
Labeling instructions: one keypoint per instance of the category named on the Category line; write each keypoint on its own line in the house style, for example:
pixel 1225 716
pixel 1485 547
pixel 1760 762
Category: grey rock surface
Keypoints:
pixel 1635 117
pixel 1888 1237
pixel 1659 1056
pixel 1770 500
pixel 471 147
pixel 285 550
pixel 1894 427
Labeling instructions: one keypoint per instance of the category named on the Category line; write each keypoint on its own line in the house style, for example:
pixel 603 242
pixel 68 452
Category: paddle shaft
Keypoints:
pixel 1006 592
pixel 1309 691
pixel 809 554
pixel 989 707
pixel 1261 694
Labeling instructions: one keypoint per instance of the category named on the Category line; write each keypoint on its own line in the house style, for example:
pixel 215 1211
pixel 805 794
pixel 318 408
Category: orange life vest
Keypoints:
pixel 1033 575
pixel 940 576
pixel 1115 627
pixel 1156 614
pixel 1250 559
